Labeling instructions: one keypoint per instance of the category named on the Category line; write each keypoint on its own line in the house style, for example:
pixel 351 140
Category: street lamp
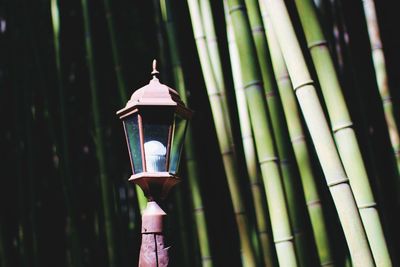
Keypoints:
pixel 155 121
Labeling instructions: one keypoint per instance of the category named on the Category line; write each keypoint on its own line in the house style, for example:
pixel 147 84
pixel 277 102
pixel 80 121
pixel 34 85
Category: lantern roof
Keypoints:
pixel 155 94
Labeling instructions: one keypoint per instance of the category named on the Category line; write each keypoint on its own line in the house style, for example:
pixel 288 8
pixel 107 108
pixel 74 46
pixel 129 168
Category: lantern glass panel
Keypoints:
pixel 180 126
pixel 156 125
pixel 133 138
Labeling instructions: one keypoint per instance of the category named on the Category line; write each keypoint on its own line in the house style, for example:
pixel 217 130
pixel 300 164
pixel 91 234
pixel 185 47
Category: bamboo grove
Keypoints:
pixel 292 157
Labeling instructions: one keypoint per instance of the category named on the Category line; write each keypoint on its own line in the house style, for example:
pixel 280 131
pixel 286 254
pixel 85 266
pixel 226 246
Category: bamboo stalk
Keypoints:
pixel 105 183
pixel 382 79
pixel 224 137
pixel 302 154
pixel 181 225
pixel 215 57
pixel 261 125
pixel 192 167
pixel 65 168
pixel 318 127
pixel 342 128
pixel 261 212
pixel 120 79
pixel 115 52
pixel 294 195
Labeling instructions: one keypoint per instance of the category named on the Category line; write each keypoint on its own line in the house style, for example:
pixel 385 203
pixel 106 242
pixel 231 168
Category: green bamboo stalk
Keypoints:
pixel 64 171
pixel 192 166
pixel 261 212
pixel 185 257
pixel 115 52
pixel 224 137
pixel 382 79
pixel 294 197
pixel 120 79
pixel 299 144
pixel 261 125
pixel 105 183
pixel 215 58
pixel 342 128
pixel 335 174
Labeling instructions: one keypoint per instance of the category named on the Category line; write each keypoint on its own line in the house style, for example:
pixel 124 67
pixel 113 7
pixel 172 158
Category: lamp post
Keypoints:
pixel 155 121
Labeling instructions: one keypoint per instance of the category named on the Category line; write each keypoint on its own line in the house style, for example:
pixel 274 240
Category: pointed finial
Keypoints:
pixel 155 71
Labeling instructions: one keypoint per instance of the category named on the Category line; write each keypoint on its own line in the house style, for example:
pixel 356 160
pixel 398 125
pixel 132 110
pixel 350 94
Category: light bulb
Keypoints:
pixel 155 156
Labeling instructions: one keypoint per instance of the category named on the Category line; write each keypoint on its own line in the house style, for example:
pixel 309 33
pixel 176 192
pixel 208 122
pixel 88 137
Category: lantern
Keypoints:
pixel 155 121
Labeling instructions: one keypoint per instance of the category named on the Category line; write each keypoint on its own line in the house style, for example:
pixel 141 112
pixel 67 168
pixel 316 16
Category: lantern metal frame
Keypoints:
pixel 154 95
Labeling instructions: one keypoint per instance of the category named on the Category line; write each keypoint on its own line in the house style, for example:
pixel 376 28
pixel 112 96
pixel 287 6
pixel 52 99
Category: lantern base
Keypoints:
pixel 155 185
pixel 153 252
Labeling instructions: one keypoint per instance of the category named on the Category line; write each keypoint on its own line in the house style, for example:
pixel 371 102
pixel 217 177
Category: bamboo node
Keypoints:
pixel 342 126
pixel 252 83
pixel 236 8
pixel 206 258
pixel 258 29
pixel 311 45
pixel 270 94
pixel 213 92
pixel 367 205
pixel 327 263
pixel 198 209
pixel 341 180
pixel 268 159
pixel 255 183
pixel 376 46
pixel 200 37
pixel 297 139
pixel 307 82
pixel 285 239
pixel 227 152
pixel 313 202
pixel 386 100
pixel 284 77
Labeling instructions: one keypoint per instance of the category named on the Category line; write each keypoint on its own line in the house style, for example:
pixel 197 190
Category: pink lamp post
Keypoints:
pixel 155 121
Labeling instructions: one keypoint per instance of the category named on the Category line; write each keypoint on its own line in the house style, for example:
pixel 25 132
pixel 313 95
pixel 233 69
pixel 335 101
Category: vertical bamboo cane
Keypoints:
pixel 215 58
pixel 105 183
pixel 316 122
pixel 264 140
pixel 292 190
pixel 261 212
pixel 299 144
pixel 342 128
pixel 180 224
pixel 115 53
pixel 65 170
pixel 381 76
pixel 120 79
pixel 224 137
pixel 192 167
